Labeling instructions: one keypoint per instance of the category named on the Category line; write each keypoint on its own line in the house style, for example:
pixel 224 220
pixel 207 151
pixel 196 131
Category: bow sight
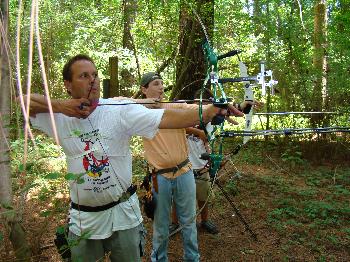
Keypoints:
pixel 263 78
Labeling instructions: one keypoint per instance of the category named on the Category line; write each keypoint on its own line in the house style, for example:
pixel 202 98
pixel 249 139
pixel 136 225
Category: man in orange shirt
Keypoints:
pixel 167 154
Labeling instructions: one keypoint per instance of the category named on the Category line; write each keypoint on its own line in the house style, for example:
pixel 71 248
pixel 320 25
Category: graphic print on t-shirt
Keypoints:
pixel 93 165
pixel 193 138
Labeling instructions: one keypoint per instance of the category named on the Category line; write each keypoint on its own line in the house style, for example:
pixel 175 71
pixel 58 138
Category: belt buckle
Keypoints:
pixel 176 168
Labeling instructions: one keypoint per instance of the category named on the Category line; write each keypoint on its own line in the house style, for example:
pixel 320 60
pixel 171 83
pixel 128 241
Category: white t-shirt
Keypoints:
pixel 195 149
pixel 98 147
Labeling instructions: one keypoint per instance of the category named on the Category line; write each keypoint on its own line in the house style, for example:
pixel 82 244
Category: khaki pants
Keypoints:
pixel 121 246
pixel 202 187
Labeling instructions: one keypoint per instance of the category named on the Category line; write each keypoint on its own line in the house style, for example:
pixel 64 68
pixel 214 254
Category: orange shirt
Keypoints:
pixel 169 147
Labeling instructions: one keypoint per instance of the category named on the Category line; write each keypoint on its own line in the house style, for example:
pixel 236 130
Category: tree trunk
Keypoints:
pixel 320 93
pixel 127 78
pixel 10 217
pixel 190 64
pixel 257 17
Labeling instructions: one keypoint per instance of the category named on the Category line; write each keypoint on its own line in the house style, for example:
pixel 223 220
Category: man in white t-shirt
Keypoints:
pixel 105 216
pixel 197 145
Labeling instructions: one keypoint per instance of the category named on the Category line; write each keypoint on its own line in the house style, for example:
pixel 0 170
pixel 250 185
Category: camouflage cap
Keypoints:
pixel 149 77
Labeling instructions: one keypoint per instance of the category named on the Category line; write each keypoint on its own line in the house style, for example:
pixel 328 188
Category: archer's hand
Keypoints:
pixel 233 111
pixel 213 111
pixel 202 136
pixel 256 104
pixel 231 121
pixel 79 108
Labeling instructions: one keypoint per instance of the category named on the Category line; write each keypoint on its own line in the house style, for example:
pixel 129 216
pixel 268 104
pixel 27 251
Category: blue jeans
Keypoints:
pixel 181 190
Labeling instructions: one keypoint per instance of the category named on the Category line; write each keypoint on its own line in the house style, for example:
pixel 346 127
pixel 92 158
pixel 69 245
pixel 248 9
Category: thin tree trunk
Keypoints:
pixel 5 98
pixel 10 217
pixel 127 78
pixel 320 92
pixel 257 17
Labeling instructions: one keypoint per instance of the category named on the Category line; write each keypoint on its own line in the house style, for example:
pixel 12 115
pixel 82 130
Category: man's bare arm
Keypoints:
pixel 69 107
pixel 151 103
pixel 183 118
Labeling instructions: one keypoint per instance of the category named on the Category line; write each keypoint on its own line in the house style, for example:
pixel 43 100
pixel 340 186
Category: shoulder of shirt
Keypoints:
pixel 47 114
pixel 113 101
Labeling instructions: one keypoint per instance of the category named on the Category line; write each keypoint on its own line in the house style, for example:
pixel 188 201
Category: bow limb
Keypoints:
pixel 248 96
pixel 220 100
pixel 215 156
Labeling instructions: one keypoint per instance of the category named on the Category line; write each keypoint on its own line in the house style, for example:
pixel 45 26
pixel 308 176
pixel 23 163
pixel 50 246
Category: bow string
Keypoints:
pixel 215 156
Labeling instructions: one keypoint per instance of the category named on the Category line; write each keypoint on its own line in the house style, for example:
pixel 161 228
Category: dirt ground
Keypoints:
pixel 233 243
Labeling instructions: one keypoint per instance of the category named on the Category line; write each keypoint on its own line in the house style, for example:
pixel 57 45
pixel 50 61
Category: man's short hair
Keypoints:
pixel 149 77
pixel 67 72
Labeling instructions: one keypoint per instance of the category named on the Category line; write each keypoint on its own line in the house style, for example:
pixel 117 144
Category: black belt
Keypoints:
pixel 199 172
pixel 173 169
pixel 125 196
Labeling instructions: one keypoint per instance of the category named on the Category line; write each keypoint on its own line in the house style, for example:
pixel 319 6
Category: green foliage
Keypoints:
pixel 78 178
pixel 42 176
pixel 139 168
pixel 63 230
pixel 286 210
pixel 232 187
pixel 7 206
pixel 45 213
pixel 293 156
pixel 54 175
pixel 326 212
pixel 341 190
pixel 247 155
pixel 310 213
pixel 139 164
pixel 265 30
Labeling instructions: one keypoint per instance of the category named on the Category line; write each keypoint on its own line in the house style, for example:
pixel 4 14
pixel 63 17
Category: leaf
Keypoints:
pixel 53 175
pixel 7 206
pixel 8 213
pixel 64 248
pixel 61 230
pixel 80 180
pixel 45 213
pixel 77 177
pixel 76 133
pixel 27 187
pixel 70 176
pixel 86 235
pixel 1 237
pixel 21 168
pixel 29 166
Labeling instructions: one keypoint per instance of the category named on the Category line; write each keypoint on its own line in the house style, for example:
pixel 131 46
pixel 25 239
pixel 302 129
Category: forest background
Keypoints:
pixel 305 43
